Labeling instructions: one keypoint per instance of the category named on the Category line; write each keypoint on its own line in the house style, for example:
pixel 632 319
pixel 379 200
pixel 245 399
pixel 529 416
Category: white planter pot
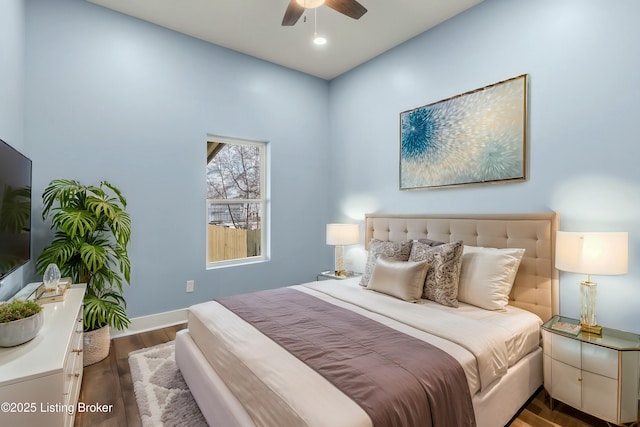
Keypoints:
pixel 20 331
pixel 96 345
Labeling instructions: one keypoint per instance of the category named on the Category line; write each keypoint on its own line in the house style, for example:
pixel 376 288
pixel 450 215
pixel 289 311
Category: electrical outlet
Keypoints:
pixel 190 285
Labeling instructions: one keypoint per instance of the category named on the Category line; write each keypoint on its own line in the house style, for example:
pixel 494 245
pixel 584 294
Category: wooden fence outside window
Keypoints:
pixel 232 243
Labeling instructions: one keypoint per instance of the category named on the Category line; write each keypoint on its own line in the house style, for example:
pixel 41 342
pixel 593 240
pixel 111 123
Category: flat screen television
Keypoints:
pixel 15 209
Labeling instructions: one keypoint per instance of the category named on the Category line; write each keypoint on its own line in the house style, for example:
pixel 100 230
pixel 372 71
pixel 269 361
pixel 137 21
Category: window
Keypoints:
pixel 236 201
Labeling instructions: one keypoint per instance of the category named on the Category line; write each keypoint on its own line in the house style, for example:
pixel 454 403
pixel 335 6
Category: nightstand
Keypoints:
pixel 330 274
pixel 597 374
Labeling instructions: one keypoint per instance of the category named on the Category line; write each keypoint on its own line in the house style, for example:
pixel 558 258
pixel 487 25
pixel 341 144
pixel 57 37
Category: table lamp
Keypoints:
pixel 591 253
pixel 339 235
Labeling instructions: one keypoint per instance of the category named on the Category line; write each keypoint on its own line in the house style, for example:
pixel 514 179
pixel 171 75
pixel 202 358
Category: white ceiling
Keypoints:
pixel 253 27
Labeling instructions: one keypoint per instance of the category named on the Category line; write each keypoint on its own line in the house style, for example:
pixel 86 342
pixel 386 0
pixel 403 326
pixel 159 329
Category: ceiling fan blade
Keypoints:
pixel 292 14
pixel 351 8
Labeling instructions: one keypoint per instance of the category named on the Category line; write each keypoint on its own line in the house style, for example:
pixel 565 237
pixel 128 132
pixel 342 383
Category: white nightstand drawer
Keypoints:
pixel 567 383
pixel 566 350
pixel 600 360
pixel 600 396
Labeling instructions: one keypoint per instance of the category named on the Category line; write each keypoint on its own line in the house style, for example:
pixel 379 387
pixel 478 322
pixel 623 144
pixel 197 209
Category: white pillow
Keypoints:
pixel 487 276
pixel 400 279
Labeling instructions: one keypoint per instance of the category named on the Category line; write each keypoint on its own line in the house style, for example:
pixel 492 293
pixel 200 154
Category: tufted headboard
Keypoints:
pixel 536 285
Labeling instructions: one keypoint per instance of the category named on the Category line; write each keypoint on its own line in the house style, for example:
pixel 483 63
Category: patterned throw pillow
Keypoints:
pixel 441 284
pixel 397 251
pixel 430 242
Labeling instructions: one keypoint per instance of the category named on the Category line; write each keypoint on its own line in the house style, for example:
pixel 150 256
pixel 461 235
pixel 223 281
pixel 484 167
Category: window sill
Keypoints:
pixel 236 262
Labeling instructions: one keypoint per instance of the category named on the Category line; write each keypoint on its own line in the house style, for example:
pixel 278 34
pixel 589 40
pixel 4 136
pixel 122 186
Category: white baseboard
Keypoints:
pixel 151 322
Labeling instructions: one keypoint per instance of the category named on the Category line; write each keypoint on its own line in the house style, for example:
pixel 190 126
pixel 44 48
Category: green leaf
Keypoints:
pixel 63 191
pixel 125 263
pixel 75 222
pixel 101 207
pixel 59 252
pixel 93 256
pixel 121 226
pixel 105 310
pixel 123 201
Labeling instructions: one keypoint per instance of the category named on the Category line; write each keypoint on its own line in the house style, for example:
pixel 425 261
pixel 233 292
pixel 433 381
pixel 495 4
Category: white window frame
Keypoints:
pixel 263 201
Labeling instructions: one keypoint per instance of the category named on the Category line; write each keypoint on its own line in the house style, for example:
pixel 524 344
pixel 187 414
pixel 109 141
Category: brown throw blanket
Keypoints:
pixel 397 379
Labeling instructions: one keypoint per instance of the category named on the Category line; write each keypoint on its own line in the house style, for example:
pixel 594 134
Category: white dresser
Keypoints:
pixel 40 380
pixel 599 375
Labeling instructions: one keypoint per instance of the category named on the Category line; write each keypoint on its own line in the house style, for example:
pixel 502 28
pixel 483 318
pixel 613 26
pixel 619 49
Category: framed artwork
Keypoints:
pixel 476 137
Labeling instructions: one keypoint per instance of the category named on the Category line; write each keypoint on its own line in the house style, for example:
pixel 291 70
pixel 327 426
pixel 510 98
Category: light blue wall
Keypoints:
pixel 12 50
pixel 112 97
pixel 582 59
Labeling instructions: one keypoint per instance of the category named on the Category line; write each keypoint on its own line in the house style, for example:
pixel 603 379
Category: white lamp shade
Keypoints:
pixel 342 234
pixel 592 253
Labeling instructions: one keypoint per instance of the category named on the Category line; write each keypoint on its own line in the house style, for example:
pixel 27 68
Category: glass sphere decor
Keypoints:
pixel 51 277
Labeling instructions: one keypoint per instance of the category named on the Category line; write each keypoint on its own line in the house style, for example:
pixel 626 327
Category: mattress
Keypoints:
pixel 485 343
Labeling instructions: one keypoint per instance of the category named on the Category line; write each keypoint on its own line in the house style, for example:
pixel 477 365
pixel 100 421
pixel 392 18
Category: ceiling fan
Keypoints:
pixel 296 8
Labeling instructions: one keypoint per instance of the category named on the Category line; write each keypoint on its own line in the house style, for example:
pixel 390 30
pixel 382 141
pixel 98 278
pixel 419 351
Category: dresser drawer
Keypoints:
pixel 72 370
pixel 565 350
pixel 72 373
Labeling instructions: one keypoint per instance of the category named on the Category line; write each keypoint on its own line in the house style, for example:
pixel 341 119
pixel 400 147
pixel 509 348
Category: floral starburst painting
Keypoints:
pixel 475 137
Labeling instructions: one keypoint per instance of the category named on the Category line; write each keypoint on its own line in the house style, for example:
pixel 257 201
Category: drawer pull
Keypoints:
pixel 76 350
pixel 579 379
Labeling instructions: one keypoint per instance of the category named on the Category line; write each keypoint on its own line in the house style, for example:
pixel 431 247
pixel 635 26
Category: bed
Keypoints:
pixel 245 372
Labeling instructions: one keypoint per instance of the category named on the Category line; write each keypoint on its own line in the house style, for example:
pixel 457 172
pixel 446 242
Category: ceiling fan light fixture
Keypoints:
pixel 319 40
pixel 310 4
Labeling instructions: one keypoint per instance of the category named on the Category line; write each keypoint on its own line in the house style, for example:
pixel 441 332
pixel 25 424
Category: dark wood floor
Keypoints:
pixel 109 382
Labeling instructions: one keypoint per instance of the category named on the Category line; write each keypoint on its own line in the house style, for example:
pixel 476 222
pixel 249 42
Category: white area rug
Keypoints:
pixel 162 395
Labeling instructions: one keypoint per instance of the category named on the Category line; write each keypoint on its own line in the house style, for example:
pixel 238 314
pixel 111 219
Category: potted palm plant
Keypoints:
pixel 92 232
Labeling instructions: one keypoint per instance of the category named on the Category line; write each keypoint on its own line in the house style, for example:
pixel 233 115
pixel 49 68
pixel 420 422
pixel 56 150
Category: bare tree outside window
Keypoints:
pixel 235 181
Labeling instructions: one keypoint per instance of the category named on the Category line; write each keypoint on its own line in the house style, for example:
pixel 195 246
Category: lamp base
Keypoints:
pixel 591 329
pixel 588 304
pixel 339 261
